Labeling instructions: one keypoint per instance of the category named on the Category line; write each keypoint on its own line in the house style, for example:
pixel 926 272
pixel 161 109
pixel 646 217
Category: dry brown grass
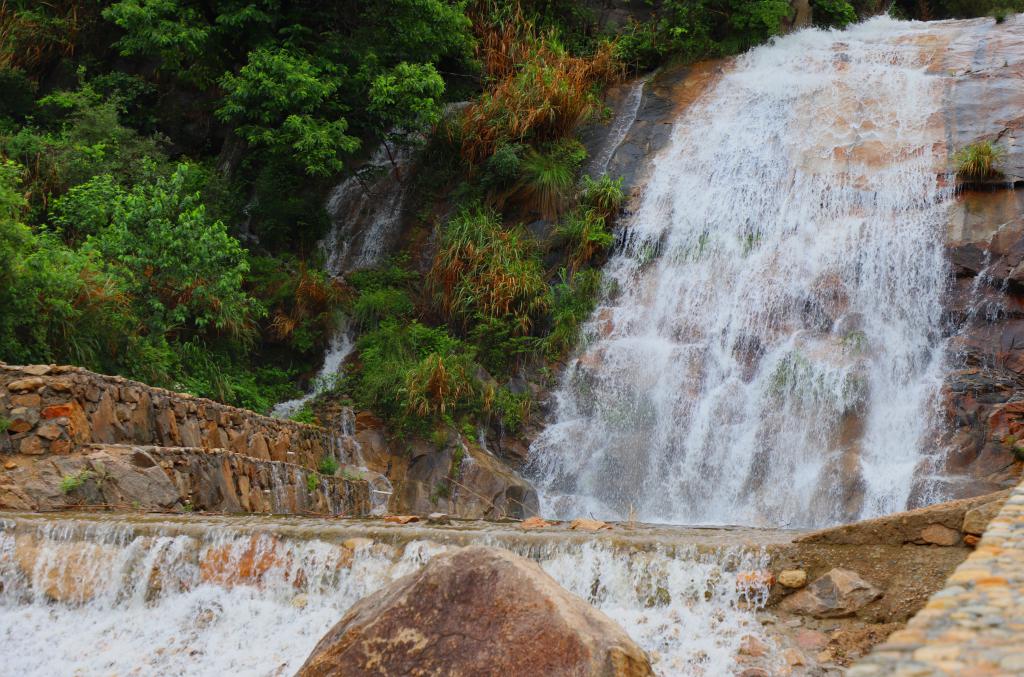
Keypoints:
pixel 537 90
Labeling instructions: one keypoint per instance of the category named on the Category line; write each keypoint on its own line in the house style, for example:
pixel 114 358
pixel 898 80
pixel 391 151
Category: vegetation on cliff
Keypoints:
pixel 164 163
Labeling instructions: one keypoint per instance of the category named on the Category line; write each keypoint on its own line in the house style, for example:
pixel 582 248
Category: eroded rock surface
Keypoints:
pixel 476 611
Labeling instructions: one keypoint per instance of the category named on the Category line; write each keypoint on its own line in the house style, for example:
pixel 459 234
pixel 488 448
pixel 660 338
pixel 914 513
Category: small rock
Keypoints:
pixel 401 519
pixel 793 578
pixel 25 384
pixel 794 657
pixel 753 580
pixel 32 445
pixel 584 524
pixel 300 601
pixel 794 623
pixel 31 400
pixel 811 640
pixel 37 369
pixel 534 523
pixel 937 534
pixel 50 430
pixel 971 540
pixel 23 419
pixel 10 465
pixel 752 646
pixel 976 520
pixel 438 518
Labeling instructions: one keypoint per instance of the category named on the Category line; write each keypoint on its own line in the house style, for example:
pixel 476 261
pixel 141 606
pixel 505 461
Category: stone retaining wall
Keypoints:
pixel 56 410
pixel 973 626
pixel 177 478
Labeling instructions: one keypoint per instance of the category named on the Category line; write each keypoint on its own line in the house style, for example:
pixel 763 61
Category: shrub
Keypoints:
pixel 439 385
pixel 376 305
pixel 978 161
pixel 406 369
pixel 540 92
pixel 573 300
pixel 311 482
pixel 5 423
pixel 484 269
pixel 304 414
pixel 548 178
pixel 511 409
pixel 584 235
pixel 604 195
pixel 328 465
pixel 833 13
pixel 70 483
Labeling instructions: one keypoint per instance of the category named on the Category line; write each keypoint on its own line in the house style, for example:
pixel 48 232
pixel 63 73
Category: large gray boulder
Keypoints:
pixel 476 611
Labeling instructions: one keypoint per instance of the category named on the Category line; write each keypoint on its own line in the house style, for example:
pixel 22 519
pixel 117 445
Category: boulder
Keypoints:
pixel 838 593
pixel 936 534
pixel 476 611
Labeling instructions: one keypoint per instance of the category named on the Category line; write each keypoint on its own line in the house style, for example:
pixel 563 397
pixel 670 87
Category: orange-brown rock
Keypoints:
pixel 584 524
pixel 230 565
pixel 401 519
pixel 476 611
pixel 534 523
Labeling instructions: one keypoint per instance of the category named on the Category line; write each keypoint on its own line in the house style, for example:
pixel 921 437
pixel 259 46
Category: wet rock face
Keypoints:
pixel 458 478
pixel 473 612
pixel 985 247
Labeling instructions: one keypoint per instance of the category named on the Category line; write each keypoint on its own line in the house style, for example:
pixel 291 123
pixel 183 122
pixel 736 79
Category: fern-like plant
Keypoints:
pixel 603 194
pixel 585 235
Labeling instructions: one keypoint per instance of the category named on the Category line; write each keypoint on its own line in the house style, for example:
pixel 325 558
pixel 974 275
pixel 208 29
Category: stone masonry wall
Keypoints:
pixel 975 625
pixel 177 479
pixel 58 410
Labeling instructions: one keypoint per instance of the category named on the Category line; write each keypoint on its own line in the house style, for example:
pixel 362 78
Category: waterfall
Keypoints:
pixel 365 212
pixel 203 597
pixel 769 348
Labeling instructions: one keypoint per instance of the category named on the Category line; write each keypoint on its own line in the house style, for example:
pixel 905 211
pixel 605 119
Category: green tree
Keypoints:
pixel 185 270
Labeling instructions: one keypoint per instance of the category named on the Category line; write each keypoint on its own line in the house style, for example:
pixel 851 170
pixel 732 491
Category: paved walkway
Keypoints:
pixel 974 627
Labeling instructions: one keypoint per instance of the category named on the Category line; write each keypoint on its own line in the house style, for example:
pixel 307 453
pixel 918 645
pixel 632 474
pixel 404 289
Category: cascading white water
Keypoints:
pixel 92 599
pixel 770 346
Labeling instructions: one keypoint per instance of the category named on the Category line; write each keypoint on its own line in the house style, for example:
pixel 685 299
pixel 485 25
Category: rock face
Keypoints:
pixel 169 478
pixel 473 612
pixel 838 593
pixel 458 478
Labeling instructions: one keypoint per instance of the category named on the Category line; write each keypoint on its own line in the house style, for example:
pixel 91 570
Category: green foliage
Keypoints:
pixel 328 465
pixel 407 98
pixel 979 161
pixel 833 13
pixel 304 415
pixel 70 483
pixel 585 236
pixel 548 178
pixel 604 195
pixel 285 101
pixel 511 409
pixel 573 300
pixel 5 423
pixel 19 94
pixel 409 373
pixel 188 269
pixel 484 270
pixel 311 482
pixel 376 305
